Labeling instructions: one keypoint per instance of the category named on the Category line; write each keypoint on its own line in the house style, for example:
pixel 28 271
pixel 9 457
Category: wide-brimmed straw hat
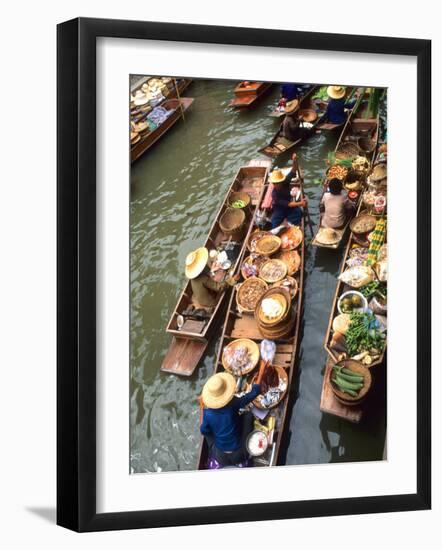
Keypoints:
pixel 327 235
pixel 291 106
pixel 336 92
pixel 219 390
pixel 277 176
pixel 196 261
pixel 140 98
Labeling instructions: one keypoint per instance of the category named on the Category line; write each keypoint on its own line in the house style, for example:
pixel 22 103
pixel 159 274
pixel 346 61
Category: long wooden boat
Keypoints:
pixel 355 127
pixel 177 107
pixel 190 341
pixel 239 325
pixel 279 145
pixel 248 93
pixel 340 289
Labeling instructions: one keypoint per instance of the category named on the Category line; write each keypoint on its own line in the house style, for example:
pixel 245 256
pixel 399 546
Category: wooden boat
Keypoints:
pixel 238 325
pixel 177 107
pixel 279 145
pixel 190 341
pixel 248 93
pixel 355 128
pixel 340 289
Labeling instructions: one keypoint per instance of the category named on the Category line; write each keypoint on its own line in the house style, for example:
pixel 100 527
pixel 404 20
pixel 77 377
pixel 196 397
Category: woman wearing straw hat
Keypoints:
pixel 205 290
pixel 222 426
pixel 337 105
pixel 284 205
pixel 290 125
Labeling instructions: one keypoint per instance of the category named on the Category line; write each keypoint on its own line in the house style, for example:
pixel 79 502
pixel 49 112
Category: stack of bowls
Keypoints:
pixel 280 325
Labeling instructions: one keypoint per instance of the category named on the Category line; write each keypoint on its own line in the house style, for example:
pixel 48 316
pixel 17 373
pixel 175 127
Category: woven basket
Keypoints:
pixel 308 115
pixel 244 287
pixel 239 195
pixel 358 368
pixel 232 222
pixel 282 376
pixel 347 150
pixel 254 238
pixel 276 324
pixel 268 245
pixel 366 144
pixel 250 345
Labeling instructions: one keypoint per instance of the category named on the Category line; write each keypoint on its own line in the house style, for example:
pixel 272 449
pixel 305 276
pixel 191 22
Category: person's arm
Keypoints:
pixel 205 428
pixel 214 285
pixel 241 402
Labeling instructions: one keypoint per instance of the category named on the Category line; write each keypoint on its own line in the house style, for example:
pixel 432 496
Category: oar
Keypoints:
pixel 179 98
pixel 301 180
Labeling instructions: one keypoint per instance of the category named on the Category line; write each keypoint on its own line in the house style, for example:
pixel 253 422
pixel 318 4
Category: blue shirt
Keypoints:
pixel 281 196
pixel 290 91
pixel 335 110
pixel 224 424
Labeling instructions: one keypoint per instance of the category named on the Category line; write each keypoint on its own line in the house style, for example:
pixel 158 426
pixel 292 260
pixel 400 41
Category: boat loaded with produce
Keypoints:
pixel 310 115
pixel 191 324
pixel 260 334
pixel 356 338
pixel 350 163
pixel 155 106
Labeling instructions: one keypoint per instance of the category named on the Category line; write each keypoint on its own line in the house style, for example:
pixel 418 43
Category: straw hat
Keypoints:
pixel 219 390
pixel 327 235
pixel 140 98
pixel 196 261
pixel 276 176
pixel 336 92
pixel 291 106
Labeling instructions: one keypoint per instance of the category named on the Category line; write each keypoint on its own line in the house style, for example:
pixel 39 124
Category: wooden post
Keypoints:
pixel 179 98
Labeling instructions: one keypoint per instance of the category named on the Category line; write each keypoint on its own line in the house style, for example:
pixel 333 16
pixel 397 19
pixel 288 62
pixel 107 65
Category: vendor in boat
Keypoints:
pixel 290 91
pixel 205 289
pixel 284 204
pixel 337 105
pixel 223 427
pixel 290 125
pixel 335 206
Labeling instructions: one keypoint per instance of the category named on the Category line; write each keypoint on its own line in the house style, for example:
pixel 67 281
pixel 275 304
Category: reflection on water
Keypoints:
pixel 177 187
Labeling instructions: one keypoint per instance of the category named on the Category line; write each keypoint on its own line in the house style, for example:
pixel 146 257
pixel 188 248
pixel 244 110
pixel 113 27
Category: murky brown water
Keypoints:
pixel 177 188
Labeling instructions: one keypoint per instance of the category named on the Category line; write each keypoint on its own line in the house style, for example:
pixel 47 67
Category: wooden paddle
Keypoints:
pixel 301 180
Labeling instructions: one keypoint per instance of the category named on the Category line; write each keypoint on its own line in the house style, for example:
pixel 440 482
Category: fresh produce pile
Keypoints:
pixel 347 381
pixel 239 359
pixel 336 171
pixel 374 288
pixel 238 204
pixel 349 303
pixel 363 334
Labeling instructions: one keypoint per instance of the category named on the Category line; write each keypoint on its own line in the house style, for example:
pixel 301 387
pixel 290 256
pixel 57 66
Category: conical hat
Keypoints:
pixel 219 390
pixel 336 92
pixel 196 261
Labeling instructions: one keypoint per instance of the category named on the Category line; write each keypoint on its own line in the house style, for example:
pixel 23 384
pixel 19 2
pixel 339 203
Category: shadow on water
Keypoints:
pixel 176 189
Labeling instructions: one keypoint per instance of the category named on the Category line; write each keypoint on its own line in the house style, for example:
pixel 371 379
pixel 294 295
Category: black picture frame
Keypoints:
pixel 76 272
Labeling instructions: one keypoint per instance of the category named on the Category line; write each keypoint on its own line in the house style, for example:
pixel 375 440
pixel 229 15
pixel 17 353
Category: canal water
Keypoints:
pixel 176 189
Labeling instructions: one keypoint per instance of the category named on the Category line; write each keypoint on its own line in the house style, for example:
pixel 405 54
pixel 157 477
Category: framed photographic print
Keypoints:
pixel 243 274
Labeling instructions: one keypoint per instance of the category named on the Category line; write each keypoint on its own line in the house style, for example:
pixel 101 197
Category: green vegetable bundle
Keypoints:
pixel 347 380
pixel 363 334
